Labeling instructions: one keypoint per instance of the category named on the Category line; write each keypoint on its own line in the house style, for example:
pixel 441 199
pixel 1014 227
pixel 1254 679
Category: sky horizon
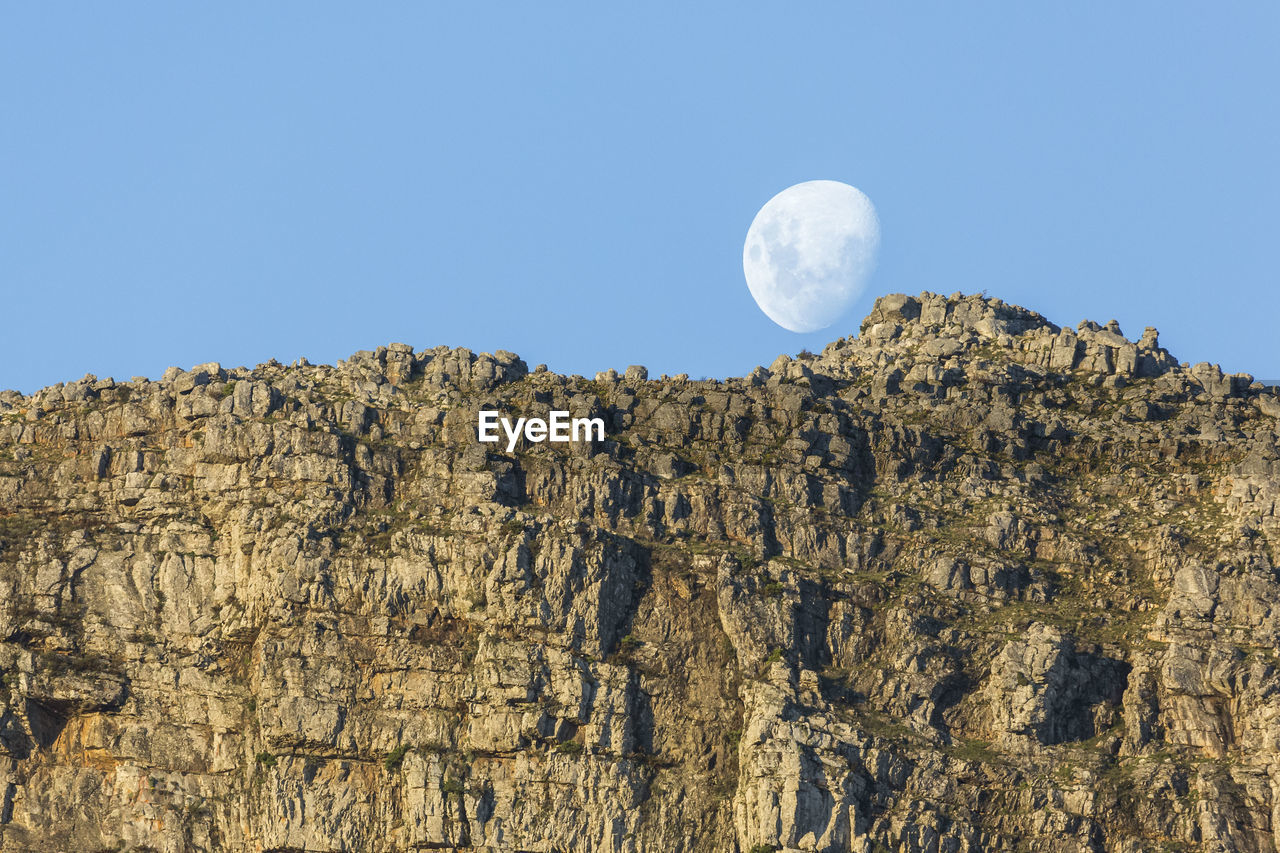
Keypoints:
pixel 243 183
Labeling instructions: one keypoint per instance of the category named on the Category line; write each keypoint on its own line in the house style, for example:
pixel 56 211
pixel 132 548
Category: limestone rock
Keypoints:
pixel 967 581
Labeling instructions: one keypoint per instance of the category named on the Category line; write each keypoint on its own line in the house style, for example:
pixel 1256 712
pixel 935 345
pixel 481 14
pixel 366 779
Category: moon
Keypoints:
pixel 809 252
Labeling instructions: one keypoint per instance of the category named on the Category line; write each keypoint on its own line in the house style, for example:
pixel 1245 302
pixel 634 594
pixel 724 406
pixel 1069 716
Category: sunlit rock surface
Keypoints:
pixel 968 581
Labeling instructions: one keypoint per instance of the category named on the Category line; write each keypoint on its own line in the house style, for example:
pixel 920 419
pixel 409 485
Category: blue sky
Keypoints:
pixel 235 182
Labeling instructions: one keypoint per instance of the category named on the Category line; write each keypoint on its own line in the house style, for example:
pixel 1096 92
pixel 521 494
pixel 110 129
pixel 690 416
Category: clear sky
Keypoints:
pixel 232 182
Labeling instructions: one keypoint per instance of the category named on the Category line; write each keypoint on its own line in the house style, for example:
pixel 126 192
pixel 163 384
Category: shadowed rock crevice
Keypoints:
pixel 46 721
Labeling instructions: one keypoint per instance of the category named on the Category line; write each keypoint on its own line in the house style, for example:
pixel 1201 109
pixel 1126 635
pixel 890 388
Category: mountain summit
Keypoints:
pixel 967 581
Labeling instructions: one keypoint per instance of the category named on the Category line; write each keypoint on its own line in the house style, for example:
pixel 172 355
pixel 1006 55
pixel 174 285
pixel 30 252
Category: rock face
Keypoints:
pixel 969 581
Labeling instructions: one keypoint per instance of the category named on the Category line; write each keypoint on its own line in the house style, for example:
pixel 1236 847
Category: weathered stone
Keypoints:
pixel 970 581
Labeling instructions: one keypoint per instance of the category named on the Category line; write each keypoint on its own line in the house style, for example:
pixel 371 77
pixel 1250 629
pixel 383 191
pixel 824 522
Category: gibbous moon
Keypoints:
pixel 809 252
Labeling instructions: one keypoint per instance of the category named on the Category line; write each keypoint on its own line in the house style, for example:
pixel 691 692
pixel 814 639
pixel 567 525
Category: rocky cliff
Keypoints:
pixel 968 581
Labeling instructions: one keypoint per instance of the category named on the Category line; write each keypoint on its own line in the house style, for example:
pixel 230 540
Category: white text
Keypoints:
pixel 558 427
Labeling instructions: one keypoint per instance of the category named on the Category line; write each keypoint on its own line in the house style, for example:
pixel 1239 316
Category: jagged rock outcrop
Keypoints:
pixel 968 581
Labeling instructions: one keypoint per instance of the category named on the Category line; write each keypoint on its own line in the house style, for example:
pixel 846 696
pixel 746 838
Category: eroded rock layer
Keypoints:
pixel 968 581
